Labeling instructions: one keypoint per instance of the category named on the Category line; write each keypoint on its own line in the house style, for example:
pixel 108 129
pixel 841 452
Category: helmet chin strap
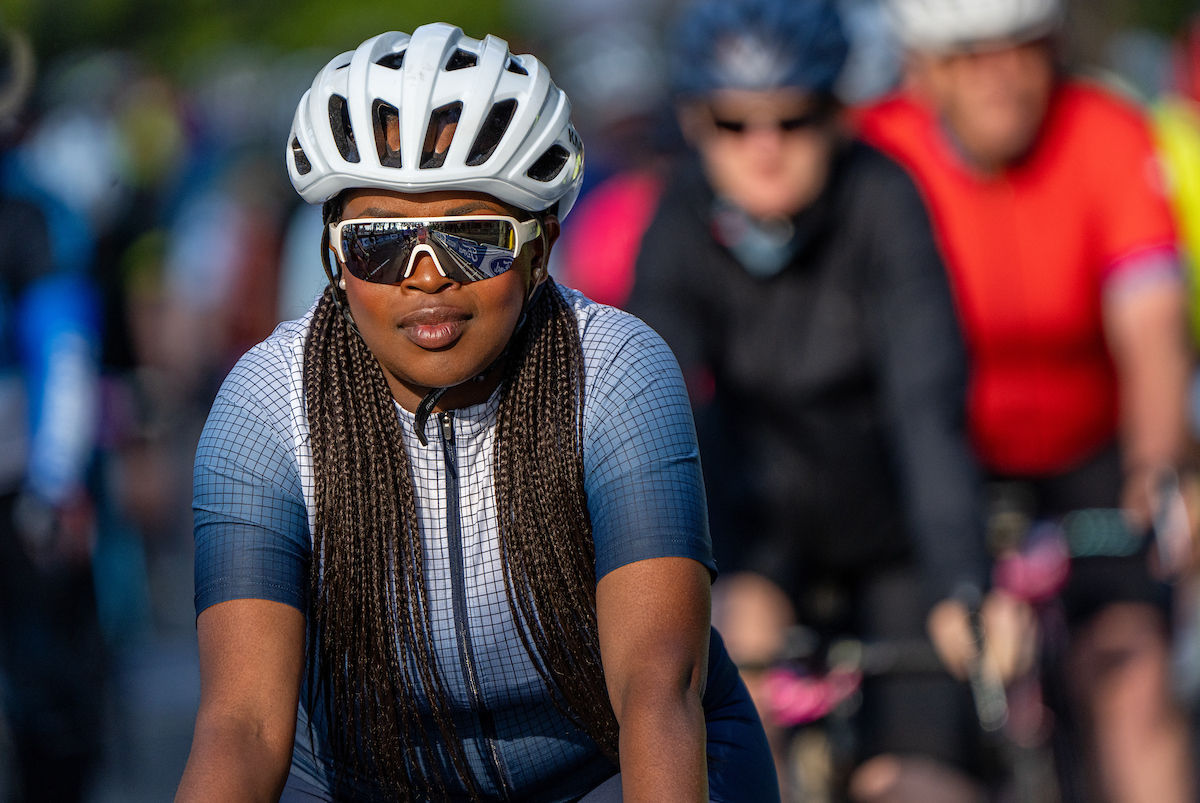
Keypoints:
pixel 425 407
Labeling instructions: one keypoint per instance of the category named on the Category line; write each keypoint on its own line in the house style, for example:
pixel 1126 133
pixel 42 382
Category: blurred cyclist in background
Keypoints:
pixel 795 275
pixel 50 642
pixel 1049 207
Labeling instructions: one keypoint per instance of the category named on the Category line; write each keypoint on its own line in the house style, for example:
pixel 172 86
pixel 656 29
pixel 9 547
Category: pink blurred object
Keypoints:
pixel 601 243
pixel 1037 572
pixel 798 699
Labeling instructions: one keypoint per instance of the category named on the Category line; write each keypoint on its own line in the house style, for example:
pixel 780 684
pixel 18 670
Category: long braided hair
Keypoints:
pixel 371 658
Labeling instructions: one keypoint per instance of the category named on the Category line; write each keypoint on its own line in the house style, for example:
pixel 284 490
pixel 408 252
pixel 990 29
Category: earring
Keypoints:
pixel 342 283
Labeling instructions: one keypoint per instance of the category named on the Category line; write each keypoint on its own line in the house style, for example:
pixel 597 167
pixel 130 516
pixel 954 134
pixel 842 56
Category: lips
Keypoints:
pixel 434 327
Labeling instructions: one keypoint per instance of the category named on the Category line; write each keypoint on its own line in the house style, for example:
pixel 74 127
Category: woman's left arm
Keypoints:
pixel 653 617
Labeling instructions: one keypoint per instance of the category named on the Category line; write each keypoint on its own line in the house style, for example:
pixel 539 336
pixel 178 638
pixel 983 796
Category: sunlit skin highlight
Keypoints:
pixel 428 331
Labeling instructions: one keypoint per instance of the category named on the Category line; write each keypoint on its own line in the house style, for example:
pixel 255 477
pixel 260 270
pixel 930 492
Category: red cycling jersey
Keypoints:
pixel 601 243
pixel 1030 253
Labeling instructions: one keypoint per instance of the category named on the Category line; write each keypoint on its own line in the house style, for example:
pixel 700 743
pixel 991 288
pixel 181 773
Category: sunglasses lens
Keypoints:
pixel 732 126
pixel 466 250
pixel 787 126
pixel 798 123
pixel 475 249
pixel 378 252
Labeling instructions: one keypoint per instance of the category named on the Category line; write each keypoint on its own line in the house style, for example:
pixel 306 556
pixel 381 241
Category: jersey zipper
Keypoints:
pixel 458 586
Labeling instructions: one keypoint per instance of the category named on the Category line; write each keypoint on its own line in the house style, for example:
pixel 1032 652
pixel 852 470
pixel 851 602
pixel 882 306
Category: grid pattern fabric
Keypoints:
pixel 254 499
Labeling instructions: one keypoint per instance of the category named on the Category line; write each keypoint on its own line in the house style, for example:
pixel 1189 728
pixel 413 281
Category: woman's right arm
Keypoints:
pixel 251 664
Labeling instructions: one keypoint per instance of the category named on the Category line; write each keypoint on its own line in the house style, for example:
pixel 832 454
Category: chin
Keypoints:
pixel 432 370
pixel 1007 139
pixel 1009 148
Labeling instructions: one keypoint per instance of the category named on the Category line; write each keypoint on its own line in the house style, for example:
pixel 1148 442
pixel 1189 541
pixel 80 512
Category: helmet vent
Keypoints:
pixel 461 60
pixel 393 61
pixel 387 133
pixel 442 125
pixel 303 166
pixel 514 65
pixel 492 132
pixel 549 164
pixel 339 123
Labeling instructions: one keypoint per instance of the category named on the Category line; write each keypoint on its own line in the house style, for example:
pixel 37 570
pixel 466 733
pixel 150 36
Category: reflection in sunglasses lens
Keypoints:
pixel 465 251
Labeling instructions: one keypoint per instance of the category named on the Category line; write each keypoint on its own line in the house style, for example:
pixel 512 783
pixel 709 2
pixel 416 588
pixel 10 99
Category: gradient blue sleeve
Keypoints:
pixel 251 525
pixel 644 486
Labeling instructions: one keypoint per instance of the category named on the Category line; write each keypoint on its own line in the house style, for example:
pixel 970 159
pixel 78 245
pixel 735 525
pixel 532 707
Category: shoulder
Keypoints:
pixel 1093 100
pixel 1099 117
pixel 266 372
pixel 874 170
pixel 891 107
pixel 265 388
pixel 875 190
pixel 609 334
pixel 623 358
pixel 1101 144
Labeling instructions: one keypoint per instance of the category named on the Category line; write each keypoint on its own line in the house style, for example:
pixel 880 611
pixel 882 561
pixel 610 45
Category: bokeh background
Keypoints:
pixel 161 124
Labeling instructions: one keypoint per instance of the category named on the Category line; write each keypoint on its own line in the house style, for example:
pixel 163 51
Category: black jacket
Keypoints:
pixel 834 441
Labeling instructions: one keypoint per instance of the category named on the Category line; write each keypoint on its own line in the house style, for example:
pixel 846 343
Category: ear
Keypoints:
pixel 539 265
pixel 695 121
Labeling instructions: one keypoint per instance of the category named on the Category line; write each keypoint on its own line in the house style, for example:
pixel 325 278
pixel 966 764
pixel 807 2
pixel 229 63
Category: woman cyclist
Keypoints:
pixel 451 541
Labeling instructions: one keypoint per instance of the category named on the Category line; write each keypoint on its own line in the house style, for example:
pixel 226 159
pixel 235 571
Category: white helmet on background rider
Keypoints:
pixel 938 25
pixel 437 111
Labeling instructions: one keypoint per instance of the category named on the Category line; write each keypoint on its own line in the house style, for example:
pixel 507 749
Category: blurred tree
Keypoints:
pixel 1093 23
pixel 171 33
pixel 1163 16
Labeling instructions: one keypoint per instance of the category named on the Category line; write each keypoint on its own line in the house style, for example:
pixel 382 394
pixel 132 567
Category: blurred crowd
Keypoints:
pixel 149 240
pixel 861 501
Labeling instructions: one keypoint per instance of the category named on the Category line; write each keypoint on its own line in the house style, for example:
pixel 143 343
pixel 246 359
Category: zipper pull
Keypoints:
pixel 447 427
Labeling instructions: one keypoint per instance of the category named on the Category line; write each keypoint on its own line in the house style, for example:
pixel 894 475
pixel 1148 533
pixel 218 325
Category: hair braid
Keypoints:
pixel 367 572
pixel 545 531
pixel 371 658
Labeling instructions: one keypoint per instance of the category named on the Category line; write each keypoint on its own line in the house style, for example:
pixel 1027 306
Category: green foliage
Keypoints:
pixel 1164 16
pixel 172 33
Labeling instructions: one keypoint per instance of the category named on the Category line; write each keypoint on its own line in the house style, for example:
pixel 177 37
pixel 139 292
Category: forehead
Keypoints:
pixel 384 203
pixel 1036 52
pixel 747 102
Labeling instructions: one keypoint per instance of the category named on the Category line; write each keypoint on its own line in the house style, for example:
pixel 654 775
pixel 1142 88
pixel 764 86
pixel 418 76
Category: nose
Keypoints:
pixel 765 141
pixel 425 276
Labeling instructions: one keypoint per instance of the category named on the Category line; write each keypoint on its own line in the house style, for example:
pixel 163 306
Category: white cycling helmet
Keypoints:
pixel 948 24
pixel 437 111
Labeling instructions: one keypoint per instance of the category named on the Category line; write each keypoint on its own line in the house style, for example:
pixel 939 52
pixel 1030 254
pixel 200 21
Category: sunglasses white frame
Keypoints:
pixel 525 230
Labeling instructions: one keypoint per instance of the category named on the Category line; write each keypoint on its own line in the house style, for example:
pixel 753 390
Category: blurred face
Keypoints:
pixel 993 100
pixel 430 331
pixel 766 151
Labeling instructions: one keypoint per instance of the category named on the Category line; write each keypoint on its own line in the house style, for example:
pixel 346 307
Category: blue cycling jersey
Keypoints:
pixel 254 500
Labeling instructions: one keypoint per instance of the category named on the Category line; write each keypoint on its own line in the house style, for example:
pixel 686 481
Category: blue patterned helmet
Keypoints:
pixel 758 44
